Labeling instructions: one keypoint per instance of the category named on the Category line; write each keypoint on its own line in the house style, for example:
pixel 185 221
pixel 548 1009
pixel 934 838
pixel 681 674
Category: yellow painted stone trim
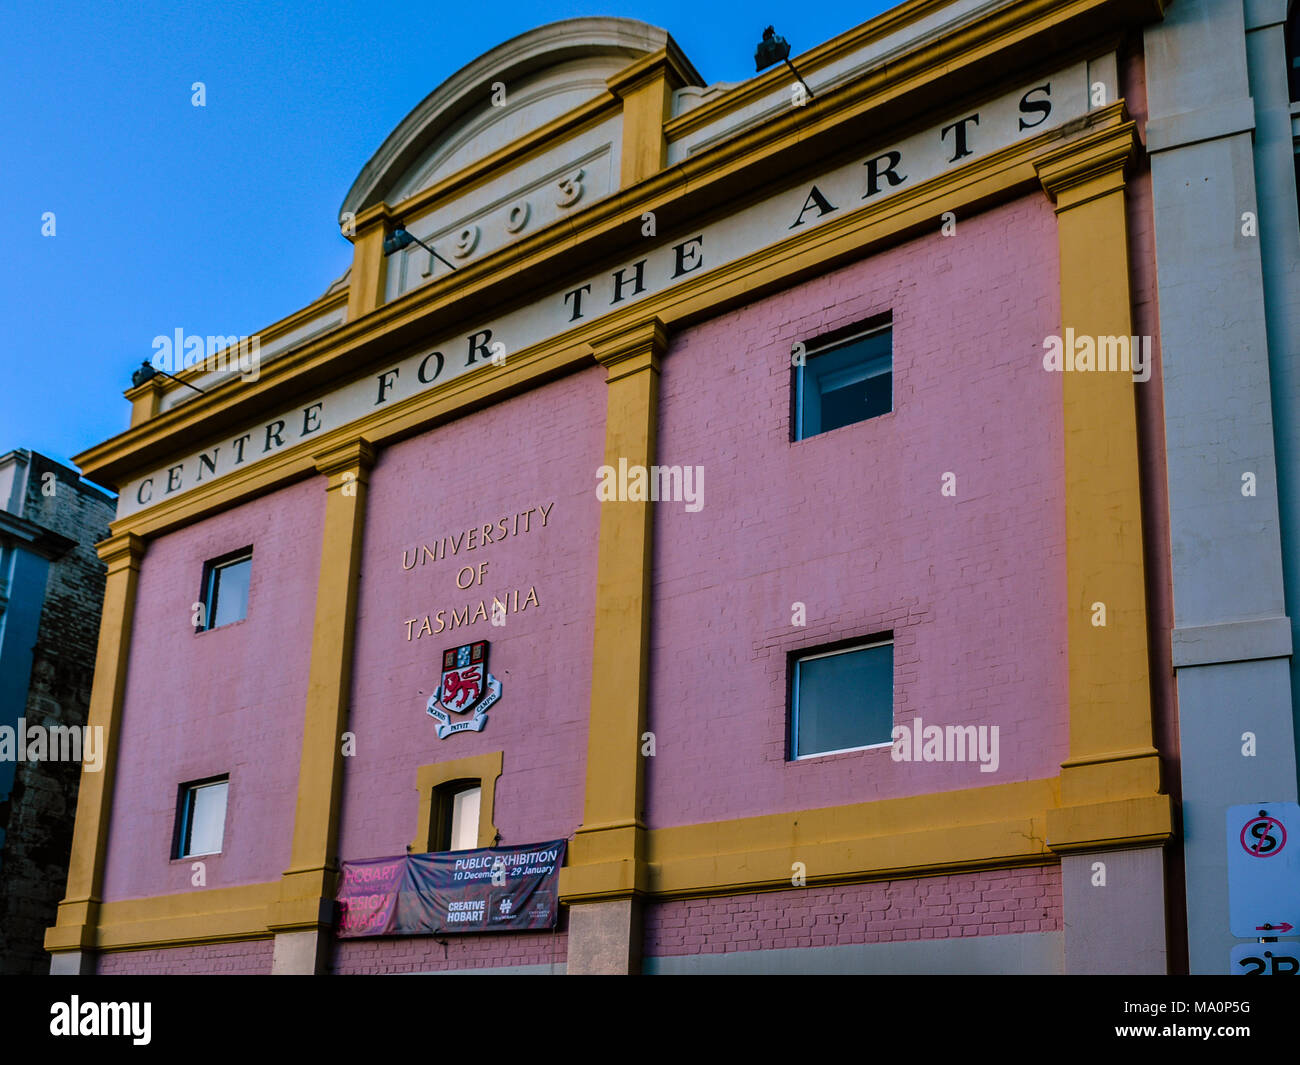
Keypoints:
pixel 78 912
pixel 1017 30
pixel 611 828
pixel 268 335
pixel 369 264
pixel 1128 822
pixel 841 238
pixel 1112 756
pixel 705 185
pixel 646 89
pixel 485 768
pixel 307 887
pixel 1001 826
pixel 886 839
pixel 209 916
pixel 146 399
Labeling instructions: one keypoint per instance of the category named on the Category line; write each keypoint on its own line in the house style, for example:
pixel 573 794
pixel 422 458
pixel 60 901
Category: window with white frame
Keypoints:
pixel 201 817
pixel 842 699
pixel 224 595
pixel 844 378
pixel 458 816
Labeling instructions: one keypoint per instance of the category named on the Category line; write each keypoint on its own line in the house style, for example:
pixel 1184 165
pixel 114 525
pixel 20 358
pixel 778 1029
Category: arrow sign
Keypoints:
pixel 1263 869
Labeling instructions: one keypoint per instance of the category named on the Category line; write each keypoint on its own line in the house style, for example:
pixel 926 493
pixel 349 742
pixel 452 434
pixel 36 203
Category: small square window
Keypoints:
pixel 842 700
pixel 844 379
pixel 201 818
pixel 224 594
pixel 458 816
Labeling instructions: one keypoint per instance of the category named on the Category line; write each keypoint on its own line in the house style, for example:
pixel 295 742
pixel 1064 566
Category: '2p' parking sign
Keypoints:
pixel 1265 959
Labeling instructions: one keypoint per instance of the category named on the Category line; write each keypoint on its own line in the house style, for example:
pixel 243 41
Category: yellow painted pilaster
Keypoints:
pixel 369 266
pixel 608 856
pixel 307 888
pixel 1111 780
pixel 78 916
pixel 646 89
pixel 146 399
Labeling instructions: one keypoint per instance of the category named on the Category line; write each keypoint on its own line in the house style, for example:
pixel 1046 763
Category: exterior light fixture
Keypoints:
pixel 773 49
pixel 403 238
pixel 148 371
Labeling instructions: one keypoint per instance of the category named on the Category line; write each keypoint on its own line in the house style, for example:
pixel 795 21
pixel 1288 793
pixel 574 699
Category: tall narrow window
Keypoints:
pixel 201 818
pixel 842 700
pixel 844 379
pixel 458 816
pixel 224 595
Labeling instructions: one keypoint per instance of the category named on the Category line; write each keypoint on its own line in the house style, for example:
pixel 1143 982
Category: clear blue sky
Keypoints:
pixel 221 219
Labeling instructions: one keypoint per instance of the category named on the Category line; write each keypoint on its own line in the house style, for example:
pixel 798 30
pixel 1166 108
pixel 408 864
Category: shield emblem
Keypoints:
pixel 464 683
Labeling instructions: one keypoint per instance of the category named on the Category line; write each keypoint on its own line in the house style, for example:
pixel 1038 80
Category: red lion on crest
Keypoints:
pixel 465 684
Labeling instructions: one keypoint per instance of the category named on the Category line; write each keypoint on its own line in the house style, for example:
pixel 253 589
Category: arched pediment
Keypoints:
pixel 546 72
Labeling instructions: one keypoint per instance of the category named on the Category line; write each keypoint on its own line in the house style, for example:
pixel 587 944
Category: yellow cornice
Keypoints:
pixel 375 214
pixel 806 63
pixel 716 179
pixel 212 915
pixel 644 340
pixel 1094 166
pixel 350 456
pixel 264 336
pixel 120 551
pixel 407 321
pixel 669 60
pixel 851 234
pixel 1129 821
pixel 919 835
pixel 1016 23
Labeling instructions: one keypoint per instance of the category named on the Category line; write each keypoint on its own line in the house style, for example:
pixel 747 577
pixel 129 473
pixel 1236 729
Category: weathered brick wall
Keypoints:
pixel 38 816
pixel 415 954
pixel 250 957
pixel 985 903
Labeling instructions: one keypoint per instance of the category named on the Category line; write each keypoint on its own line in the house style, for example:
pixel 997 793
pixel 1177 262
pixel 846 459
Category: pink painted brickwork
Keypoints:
pixel 422 954
pixel 230 700
pixel 537 450
pixel 986 903
pixel 244 958
pixel 852 524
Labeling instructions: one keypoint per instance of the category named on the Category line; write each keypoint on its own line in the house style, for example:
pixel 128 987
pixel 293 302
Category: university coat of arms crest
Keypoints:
pixel 465 687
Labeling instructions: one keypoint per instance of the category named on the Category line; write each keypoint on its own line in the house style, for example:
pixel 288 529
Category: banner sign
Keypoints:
pixel 499 889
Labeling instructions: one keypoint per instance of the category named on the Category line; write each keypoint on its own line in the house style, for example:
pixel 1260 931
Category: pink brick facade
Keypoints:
pixel 852 524
pixel 224 701
pixel 985 903
pixel 535 451
pixel 968 582
pixel 940 525
pixel 420 954
pixel 243 958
